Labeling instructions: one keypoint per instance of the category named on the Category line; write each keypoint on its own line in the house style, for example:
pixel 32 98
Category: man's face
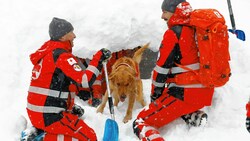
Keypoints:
pixel 69 37
pixel 166 15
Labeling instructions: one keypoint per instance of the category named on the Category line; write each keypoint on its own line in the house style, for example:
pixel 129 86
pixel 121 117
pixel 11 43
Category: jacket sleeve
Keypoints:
pixel 248 109
pixel 70 66
pixel 164 62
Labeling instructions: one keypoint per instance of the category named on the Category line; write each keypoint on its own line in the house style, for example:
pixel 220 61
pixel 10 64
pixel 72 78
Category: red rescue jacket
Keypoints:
pixel 55 70
pixel 178 47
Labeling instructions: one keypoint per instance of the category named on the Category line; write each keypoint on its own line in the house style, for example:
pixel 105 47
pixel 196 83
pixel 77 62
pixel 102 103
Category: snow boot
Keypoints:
pixel 145 132
pixel 32 134
pixel 196 119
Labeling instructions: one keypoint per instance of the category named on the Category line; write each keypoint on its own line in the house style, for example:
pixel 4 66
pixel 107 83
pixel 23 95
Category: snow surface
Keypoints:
pixel 116 24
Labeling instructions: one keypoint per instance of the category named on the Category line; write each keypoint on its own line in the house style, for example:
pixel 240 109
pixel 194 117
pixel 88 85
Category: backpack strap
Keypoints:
pixel 177 30
pixel 61 77
pixel 57 52
pixel 83 62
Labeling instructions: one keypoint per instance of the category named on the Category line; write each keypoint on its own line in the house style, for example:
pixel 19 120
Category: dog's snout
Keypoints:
pixel 123 97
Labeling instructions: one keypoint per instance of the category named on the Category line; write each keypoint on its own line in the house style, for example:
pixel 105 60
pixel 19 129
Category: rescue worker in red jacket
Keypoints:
pixel 170 101
pixel 55 77
pixel 248 116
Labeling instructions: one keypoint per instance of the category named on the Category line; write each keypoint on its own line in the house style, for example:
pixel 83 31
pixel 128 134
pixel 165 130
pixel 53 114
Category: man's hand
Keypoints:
pixel 77 110
pixel 96 102
pixel 84 95
pixel 106 54
pixel 155 96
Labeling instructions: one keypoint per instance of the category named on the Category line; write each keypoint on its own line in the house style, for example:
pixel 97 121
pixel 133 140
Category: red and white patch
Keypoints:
pixel 77 67
pixel 37 70
pixel 71 61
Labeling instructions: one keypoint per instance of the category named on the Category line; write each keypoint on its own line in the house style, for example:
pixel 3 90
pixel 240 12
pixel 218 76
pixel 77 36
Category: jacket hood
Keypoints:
pixel 181 15
pixel 47 47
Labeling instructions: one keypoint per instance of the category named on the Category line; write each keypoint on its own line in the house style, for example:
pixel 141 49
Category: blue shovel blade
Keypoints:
pixel 239 34
pixel 111 131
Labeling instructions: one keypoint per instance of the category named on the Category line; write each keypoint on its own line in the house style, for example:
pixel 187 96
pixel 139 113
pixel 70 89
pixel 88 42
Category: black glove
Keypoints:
pixel 77 110
pixel 106 54
pixel 157 93
pixel 248 124
pixel 84 95
pixel 153 97
pixel 96 102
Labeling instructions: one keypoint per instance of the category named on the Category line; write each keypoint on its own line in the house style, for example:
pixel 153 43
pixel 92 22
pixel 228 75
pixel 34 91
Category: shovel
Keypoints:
pixel 111 131
pixel 239 33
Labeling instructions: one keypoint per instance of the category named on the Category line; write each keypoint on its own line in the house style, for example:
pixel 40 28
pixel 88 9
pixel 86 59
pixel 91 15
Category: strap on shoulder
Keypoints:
pixel 177 30
pixel 57 52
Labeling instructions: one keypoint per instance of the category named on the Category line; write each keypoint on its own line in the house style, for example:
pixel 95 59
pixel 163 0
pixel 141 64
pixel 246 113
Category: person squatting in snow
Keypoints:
pixel 56 75
pixel 174 101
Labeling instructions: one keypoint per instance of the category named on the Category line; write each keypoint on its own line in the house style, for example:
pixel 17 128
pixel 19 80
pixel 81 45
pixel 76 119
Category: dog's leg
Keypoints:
pixel 131 102
pixel 103 104
pixel 140 97
pixel 116 98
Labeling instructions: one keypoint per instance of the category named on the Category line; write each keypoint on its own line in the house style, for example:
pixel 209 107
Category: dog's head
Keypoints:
pixel 123 77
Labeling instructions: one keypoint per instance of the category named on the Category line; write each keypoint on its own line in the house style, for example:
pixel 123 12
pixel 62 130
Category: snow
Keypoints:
pixel 116 24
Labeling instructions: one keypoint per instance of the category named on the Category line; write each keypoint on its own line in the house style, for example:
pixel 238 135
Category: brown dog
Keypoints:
pixel 125 81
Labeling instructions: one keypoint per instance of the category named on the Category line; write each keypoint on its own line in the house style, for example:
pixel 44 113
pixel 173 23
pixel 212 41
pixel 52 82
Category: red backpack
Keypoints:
pixel 213 46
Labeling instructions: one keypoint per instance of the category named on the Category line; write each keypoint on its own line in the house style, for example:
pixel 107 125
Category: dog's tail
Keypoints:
pixel 138 54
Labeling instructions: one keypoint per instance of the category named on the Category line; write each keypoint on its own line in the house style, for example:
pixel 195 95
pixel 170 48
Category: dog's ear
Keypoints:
pixel 132 76
pixel 111 76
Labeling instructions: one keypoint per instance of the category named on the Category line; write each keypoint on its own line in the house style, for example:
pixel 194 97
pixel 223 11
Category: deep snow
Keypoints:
pixel 116 24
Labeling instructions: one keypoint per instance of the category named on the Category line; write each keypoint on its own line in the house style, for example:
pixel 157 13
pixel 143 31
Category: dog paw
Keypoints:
pixel 126 119
pixel 99 110
pixel 143 104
